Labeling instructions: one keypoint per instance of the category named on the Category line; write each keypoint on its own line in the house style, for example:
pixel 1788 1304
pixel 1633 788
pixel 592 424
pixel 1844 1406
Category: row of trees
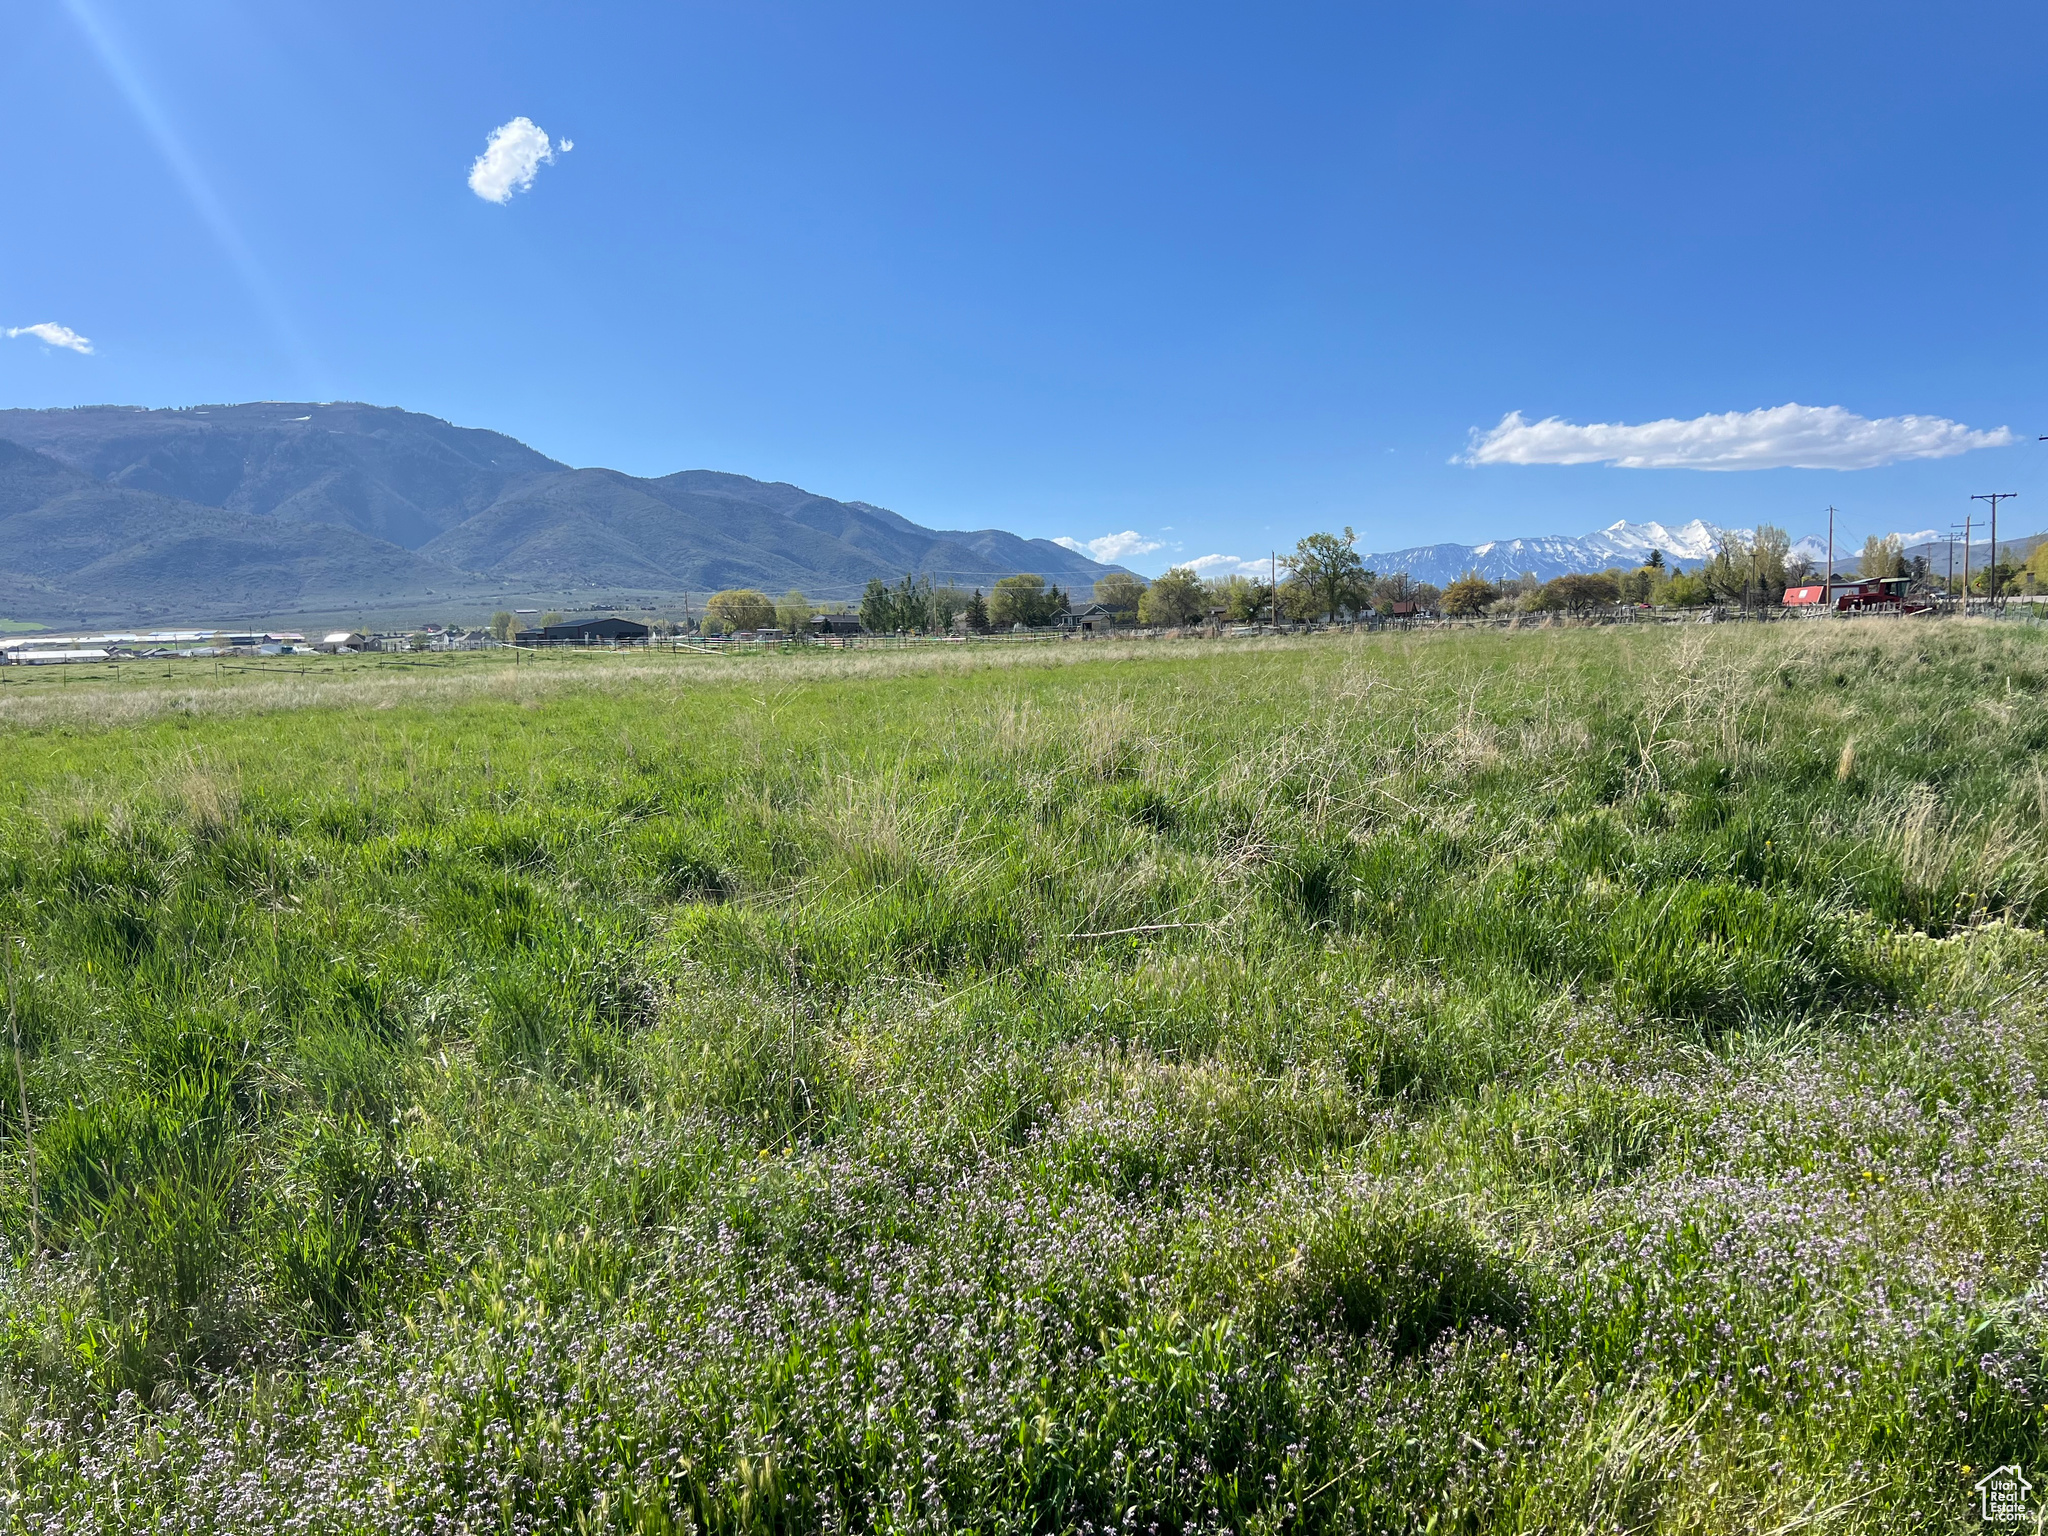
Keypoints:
pixel 1753 569
pixel 1326 580
pixel 742 610
pixel 915 605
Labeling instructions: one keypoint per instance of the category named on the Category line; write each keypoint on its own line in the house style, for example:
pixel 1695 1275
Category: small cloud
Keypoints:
pixel 1780 437
pixel 512 155
pixel 1225 565
pixel 53 335
pixel 1112 547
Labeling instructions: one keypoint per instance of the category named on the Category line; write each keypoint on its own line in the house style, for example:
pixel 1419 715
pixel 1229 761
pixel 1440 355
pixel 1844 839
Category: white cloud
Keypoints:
pixel 1112 547
pixel 1781 437
pixel 52 334
pixel 512 155
pixel 1225 565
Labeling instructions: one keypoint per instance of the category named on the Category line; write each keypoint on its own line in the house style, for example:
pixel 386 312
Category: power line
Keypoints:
pixel 1994 497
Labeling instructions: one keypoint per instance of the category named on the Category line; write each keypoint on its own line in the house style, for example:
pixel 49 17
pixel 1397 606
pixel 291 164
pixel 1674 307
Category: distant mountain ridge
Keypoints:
pixel 1924 546
pixel 1622 543
pixel 305 508
pixel 1629 544
pixel 73 548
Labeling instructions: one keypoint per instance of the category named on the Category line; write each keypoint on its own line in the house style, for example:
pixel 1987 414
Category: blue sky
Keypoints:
pixel 1215 276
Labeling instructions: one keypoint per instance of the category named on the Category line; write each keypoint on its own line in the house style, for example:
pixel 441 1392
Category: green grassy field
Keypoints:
pixel 1541 1081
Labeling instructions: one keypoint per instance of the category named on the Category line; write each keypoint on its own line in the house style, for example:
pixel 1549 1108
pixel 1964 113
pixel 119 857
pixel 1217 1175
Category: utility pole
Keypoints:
pixel 1991 580
pixel 1273 585
pixel 1828 602
pixel 1966 567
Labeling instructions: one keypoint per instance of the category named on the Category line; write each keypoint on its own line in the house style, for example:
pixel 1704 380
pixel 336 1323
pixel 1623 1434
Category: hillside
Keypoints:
pixel 1938 554
pixel 118 514
pixel 78 550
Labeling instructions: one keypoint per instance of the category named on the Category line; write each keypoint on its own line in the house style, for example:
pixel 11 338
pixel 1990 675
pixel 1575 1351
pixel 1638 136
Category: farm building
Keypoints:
pixel 835 623
pixel 584 632
pixel 29 656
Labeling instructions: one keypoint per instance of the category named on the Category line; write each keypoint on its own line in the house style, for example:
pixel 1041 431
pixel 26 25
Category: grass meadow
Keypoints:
pixel 1554 1080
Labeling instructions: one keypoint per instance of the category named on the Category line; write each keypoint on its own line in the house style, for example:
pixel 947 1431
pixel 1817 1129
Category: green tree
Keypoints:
pixel 550 617
pixel 1471 593
pixel 793 613
pixel 1330 569
pixel 1637 585
pixel 1025 600
pixel 1728 572
pixel 912 605
pixel 1298 600
pixel 740 609
pixel 877 608
pixel 912 597
pixel 1119 592
pixel 1579 592
pixel 1750 568
pixel 1178 597
pixel 1770 551
pixel 504 624
pixel 1240 598
pixel 1684 591
pixel 1400 587
pixel 2033 572
pixel 944 604
pixel 1882 557
pixel 977 613
pixel 1981 582
pixel 1015 600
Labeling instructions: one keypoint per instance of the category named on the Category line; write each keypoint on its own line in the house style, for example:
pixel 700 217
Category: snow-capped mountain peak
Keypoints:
pixel 1696 540
pixel 1621 543
pixel 1628 544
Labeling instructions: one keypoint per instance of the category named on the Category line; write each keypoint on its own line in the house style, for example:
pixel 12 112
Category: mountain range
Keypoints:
pixel 115 514
pixel 1624 543
pixel 1629 544
pixel 280 512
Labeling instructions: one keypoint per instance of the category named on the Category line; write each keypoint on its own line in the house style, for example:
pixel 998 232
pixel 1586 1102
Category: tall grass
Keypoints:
pixel 1489 1081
